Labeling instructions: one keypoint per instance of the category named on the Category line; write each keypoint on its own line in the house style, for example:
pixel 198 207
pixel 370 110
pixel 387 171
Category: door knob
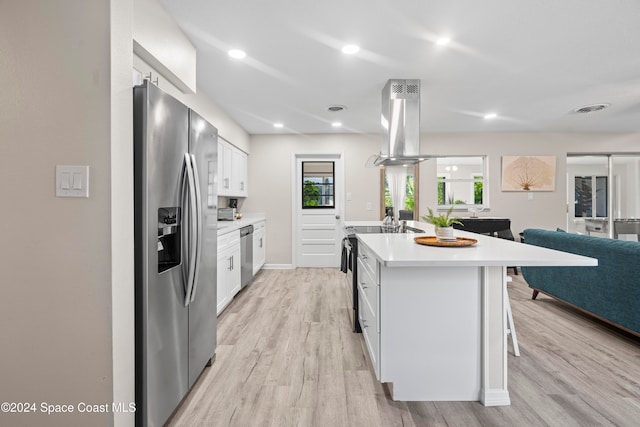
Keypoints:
pixel 337 216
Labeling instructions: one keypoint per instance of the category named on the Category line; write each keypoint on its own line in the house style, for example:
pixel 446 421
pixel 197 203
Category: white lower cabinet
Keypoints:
pixel 259 248
pixel 229 268
pixel 369 308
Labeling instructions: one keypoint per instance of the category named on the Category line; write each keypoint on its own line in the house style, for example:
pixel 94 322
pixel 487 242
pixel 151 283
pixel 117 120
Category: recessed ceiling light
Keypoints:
pixel 278 125
pixel 350 49
pixel 237 53
pixel 490 116
pixel 336 124
pixel 443 41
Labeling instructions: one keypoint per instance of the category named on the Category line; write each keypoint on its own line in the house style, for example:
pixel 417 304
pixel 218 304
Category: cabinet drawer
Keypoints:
pixel 368 289
pixel 369 261
pixel 370 334
pixel 228 240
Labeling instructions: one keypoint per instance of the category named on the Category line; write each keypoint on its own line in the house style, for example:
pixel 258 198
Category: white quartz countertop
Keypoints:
pixel 400 250
pixel 225 227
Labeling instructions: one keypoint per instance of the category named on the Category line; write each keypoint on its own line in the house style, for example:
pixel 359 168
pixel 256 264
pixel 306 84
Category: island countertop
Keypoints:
pixel 400 250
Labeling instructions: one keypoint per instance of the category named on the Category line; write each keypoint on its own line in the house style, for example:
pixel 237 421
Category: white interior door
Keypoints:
pixel 317 210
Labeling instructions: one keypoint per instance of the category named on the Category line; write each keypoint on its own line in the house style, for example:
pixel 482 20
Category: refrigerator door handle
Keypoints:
pixel 193 218
pixel 198 228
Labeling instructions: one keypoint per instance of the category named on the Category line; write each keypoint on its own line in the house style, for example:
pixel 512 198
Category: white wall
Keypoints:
pixel 270 181
pixel 122 237
pixel 270 175
pixel 547 209
pixel 161 43
pixel 202 104
pixel 56 282
pixel 172 61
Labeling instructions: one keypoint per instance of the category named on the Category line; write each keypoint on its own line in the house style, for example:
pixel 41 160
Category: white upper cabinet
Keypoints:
pixel 224 169
pixel 239 173
pixel 232 170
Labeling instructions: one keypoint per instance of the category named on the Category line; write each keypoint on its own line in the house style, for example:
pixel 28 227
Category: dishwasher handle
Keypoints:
pixel 245 231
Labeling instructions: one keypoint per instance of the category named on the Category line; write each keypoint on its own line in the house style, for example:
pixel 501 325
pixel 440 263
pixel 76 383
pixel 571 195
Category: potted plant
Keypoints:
pixel 443 224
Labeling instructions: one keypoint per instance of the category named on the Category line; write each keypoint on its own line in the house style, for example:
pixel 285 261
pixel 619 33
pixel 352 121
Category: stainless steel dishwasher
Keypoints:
pixel 246 255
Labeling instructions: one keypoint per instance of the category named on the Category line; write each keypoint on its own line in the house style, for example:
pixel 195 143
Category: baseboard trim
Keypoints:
pixel 278 267
pixel 495 397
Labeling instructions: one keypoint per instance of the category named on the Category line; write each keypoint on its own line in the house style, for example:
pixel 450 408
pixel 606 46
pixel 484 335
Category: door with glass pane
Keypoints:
pixel 317 230
pixel 604 195
pixel 411 191
pixel 626 207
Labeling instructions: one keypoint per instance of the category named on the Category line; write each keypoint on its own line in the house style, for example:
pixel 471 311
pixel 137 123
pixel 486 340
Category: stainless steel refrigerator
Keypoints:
pixel 175 161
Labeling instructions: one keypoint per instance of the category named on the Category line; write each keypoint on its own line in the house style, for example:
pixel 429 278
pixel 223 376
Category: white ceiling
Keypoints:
pixel 529 61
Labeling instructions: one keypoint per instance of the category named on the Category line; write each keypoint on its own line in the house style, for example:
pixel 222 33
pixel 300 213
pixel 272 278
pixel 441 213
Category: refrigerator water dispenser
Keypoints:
pixel 169 242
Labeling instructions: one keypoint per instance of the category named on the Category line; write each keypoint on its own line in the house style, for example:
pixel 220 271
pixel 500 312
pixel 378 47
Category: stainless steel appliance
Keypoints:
pixel 620 226
pixel 400 118
pixel 350 257
pixel 175 158
pixel 246 255
pixel 350 260
pixel 226 214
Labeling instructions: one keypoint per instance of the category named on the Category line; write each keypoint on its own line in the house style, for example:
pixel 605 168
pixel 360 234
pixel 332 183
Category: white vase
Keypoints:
pixel 445 234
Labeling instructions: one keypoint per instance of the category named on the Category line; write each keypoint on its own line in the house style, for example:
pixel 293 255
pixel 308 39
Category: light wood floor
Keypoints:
pixel 287 357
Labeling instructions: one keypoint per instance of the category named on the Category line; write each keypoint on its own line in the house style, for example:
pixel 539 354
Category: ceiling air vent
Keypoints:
pixel 413 88
pixel 336 108
pixel 591 108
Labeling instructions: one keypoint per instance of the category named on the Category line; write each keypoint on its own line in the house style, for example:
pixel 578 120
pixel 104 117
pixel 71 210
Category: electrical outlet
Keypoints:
pixel 369 206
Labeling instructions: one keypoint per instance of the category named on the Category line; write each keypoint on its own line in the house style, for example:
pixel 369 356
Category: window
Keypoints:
pixel 478 187
pixel 586 199
pixel 410 195
pixel 461 182
pixel 318 185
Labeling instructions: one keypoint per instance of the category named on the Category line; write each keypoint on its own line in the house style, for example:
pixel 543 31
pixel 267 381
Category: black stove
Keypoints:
pixel 350 258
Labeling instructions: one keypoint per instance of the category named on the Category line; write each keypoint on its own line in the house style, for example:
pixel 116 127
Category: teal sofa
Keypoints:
pixel 610 291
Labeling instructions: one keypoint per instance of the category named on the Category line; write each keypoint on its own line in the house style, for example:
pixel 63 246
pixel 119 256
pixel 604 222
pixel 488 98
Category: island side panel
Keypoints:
pixel 494 338
pixel 430 336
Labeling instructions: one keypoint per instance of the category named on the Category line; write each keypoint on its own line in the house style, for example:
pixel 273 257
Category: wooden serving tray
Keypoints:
pixel 433 241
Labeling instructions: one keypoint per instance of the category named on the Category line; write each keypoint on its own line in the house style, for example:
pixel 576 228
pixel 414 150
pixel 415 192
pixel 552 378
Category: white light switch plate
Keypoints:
pixel 72 181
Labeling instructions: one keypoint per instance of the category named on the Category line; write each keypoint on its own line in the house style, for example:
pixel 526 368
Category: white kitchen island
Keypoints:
pixel 433 318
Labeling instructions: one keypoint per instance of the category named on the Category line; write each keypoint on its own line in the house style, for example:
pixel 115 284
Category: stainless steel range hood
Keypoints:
pixel 400 123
